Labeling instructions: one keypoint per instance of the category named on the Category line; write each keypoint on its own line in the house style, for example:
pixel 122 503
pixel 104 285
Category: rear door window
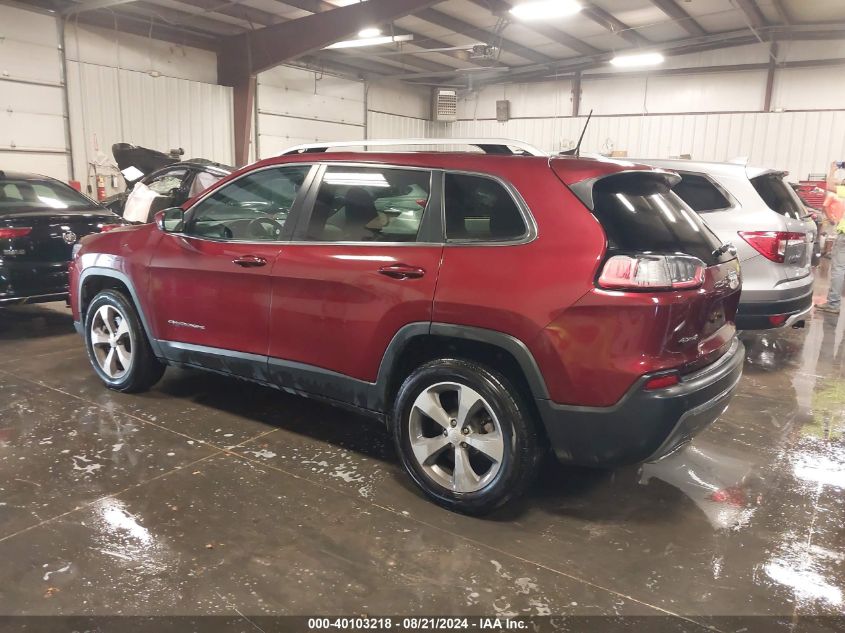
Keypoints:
pixel 369 204
pixel 701 194
pixel 480 209
pixel 779 196
pixel 640 214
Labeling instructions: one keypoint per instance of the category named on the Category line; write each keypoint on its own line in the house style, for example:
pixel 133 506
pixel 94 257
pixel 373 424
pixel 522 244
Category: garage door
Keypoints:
pixel 296 106
pixel 33 131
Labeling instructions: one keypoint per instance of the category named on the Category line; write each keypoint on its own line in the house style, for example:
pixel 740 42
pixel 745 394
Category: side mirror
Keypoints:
pixel 170 220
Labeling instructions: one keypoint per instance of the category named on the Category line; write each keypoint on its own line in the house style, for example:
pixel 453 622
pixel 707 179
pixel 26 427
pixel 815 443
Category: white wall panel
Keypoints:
pixel 33 128
pixel 111 105
pixel 105 47
pixel 808 89
pixel 296 106
pixel 381 125
pixel 800 142
pixel 401 99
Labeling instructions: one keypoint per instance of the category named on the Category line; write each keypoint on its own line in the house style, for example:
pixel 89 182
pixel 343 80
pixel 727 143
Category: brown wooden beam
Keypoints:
pixel 684 19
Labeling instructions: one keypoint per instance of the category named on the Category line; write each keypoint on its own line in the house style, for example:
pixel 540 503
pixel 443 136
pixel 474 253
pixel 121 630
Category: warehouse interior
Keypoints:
pixel 227 500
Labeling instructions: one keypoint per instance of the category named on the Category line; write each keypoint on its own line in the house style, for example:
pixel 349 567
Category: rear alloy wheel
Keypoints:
pixel 465 436
pixel 117 344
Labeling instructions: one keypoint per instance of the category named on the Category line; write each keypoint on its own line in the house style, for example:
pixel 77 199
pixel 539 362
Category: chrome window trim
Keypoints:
pixel 211 192
pixel 531 228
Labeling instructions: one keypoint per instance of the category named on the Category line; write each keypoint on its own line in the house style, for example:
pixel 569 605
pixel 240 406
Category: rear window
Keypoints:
pixel 640 214
pixel 18 195
pixel 700 194
pixel 479 209
pixel 779 196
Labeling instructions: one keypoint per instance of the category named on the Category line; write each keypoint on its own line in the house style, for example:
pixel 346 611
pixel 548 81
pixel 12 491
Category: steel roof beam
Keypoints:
pixel 679 15
pixel 614 25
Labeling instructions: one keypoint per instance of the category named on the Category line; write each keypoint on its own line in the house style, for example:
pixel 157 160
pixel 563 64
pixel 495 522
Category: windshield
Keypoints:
pixel 641 214
pixel 779 196
pixel 31 195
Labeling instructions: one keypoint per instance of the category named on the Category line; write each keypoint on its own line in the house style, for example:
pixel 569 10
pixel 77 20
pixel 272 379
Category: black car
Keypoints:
pixel 40 221
pixel 174 181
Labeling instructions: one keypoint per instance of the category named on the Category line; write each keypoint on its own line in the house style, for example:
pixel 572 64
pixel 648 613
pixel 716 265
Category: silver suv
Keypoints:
pixel 758 213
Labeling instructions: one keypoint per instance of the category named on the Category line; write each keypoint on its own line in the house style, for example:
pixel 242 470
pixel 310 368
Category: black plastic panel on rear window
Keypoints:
pixel 640 214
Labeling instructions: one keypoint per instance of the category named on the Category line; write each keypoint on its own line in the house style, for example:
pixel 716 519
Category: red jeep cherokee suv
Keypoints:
pixel 484 305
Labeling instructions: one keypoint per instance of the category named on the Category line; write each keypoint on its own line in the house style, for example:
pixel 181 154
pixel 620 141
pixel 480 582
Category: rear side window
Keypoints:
pixel 779 196
pixel 480 209
pixel 640 214
pixel 369 204
pixel 700 194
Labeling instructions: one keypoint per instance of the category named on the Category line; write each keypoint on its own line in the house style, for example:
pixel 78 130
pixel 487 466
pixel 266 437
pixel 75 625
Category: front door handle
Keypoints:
pixel 402 271
pixel 249 261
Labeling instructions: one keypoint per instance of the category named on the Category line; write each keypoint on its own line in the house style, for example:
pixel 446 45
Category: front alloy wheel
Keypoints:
pixel 111 341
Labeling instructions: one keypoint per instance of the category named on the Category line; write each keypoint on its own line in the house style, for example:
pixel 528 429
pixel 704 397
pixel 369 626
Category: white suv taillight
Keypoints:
pixel 652 272
pixel 773 244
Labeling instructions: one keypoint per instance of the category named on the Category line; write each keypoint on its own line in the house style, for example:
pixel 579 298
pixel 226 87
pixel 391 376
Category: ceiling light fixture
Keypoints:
pixel 637 59
pixel 370 31
pixel 545 9
pixel 372 41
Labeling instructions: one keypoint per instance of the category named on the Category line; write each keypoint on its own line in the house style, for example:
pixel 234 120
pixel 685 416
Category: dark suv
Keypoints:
pixel 484 305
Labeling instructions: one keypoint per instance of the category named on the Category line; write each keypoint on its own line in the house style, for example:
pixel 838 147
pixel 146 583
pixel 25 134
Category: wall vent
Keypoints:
pixel 445 105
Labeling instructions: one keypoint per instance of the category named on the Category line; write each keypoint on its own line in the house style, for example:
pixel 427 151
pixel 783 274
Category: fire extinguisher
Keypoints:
pixel 101 188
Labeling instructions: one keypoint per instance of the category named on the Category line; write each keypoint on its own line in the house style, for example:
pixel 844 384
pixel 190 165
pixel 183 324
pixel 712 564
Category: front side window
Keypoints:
pixel 700 194
pixel 254 207
pixel 19 195
pixel 369 204
pixel 480 209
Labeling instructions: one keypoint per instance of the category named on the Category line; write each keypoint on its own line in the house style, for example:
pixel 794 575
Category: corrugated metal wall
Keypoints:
pixel 800 142
pixel 110 105
pixel 383 125
pixel 33 127
pixel 296 106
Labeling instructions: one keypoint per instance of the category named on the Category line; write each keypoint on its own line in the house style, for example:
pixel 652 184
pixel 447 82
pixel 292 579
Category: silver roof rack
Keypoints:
pixel 501 146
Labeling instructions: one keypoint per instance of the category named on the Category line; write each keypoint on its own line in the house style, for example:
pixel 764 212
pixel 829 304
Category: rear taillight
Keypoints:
pixel 773 244
pixel 18 231
pixel 651 272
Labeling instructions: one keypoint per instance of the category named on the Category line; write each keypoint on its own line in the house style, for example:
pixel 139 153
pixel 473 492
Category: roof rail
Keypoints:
pixel 487 145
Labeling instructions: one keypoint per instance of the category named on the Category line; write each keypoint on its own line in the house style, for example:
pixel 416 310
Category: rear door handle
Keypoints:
pixel 249 261
pixel 402 271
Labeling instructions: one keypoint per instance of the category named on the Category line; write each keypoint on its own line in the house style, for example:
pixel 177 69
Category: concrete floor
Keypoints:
pixel 212 496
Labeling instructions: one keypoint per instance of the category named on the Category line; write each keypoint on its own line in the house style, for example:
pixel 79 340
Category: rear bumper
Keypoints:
pixel 33 282
pixel 755 315
pixel 643 425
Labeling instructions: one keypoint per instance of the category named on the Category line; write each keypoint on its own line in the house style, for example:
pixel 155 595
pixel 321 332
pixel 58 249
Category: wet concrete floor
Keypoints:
pixel 212 496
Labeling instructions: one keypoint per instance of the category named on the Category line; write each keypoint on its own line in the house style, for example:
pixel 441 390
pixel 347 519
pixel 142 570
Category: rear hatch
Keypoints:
pixel 660 253
pixel 793 247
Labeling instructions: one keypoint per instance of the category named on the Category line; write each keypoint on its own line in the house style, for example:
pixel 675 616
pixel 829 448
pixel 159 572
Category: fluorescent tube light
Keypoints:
pixel 369 32
pixel 372 41
pixel 637 59
pixel 545 9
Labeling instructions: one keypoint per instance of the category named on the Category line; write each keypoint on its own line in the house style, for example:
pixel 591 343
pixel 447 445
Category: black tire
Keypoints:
pixel 522 450
pixel 144 370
